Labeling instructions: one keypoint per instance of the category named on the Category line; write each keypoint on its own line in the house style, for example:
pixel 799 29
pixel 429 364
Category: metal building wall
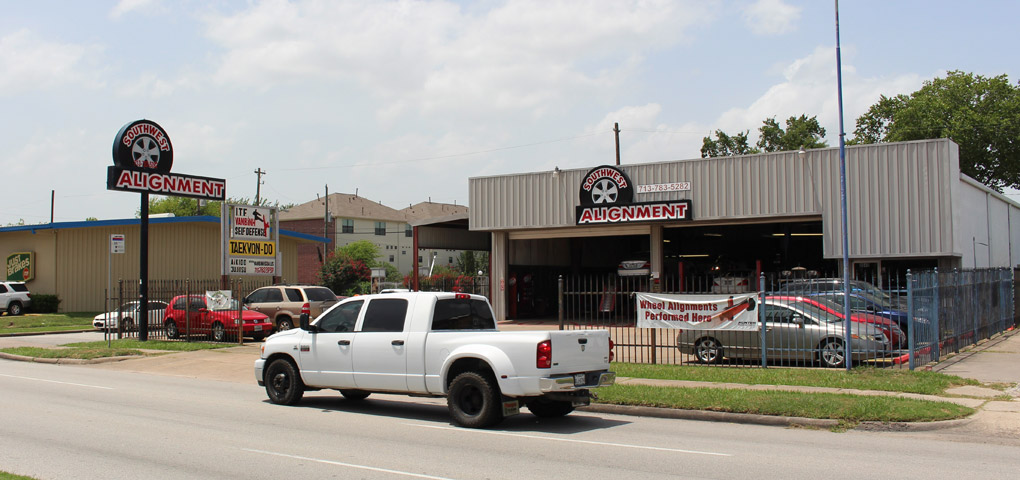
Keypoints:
pixel 899 195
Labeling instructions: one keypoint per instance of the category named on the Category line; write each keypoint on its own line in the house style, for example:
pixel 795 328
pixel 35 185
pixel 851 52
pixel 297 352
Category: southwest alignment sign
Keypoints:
pixel 606 196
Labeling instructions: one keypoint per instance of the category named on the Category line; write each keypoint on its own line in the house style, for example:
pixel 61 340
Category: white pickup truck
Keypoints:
pixel 436 344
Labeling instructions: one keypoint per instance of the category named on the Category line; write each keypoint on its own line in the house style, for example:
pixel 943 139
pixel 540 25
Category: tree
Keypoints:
pixel 981 114
pixel 363 251
pixel 187 207
pixel 800 132
pixel 725 145
pixel 345 276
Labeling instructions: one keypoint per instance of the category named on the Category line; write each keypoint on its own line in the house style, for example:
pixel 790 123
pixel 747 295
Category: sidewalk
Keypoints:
pixel 994 361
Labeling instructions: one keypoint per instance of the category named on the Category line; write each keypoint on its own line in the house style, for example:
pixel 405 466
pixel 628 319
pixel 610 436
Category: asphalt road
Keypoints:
pixel 75 422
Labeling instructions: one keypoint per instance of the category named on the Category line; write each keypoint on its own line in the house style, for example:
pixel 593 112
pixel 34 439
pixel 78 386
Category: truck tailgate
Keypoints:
pixel 579 350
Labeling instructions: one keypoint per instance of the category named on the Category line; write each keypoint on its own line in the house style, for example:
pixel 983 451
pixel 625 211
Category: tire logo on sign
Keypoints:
pixel 606 185
pixel 143 145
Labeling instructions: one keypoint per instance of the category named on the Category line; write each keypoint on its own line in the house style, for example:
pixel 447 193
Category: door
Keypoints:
pixel 380 359
pixel 330 348
pixel 786 333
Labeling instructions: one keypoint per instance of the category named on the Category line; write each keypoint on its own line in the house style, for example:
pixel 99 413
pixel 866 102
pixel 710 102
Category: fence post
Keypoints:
pixel 240 311
pixel 975 306
pixel 120 303
pixel 559 286
pixel 911 326
pixel 935 320
pixel 761 318
pixel 187 310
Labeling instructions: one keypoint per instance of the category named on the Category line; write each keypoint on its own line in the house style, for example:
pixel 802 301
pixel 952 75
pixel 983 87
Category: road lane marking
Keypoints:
pixel 54 381
pixel 571 440
pixel 342 464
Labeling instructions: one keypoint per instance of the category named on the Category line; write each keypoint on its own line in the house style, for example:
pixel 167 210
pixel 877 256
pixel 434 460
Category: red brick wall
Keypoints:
pixel 309 253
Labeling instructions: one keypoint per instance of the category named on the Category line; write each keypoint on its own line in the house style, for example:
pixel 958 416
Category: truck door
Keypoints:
pixel 331 348
pixel 380 354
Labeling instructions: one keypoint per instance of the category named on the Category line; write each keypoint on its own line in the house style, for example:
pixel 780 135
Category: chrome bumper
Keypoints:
pixel 567 383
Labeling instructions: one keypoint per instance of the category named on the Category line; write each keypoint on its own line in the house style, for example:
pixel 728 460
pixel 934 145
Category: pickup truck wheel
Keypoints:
pixel 283 384
pixel 219 333
pixel 541 407
pixel 474 401
pixel 354 394
pixel 171 329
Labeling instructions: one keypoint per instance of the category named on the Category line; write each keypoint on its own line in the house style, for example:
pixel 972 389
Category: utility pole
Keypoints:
pixel 616 130
pixel 258 185
pixel 325 227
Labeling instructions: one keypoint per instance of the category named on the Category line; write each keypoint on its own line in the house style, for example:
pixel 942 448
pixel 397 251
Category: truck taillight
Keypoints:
pixel 543 355
pixel 611 354
pixel 462 296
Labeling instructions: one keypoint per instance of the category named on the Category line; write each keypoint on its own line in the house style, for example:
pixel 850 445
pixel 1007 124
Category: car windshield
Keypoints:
pixel 830 304
pixel 233 305
pixel 815 312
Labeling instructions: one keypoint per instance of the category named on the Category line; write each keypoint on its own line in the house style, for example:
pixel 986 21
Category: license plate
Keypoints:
pixel 578 379
pixel 511 407
pixel 258 328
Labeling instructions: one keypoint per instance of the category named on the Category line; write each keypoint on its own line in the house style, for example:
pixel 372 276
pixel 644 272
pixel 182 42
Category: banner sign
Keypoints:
pixel 698 312
pixel 217 299
pixel 606 196
pixel 21 267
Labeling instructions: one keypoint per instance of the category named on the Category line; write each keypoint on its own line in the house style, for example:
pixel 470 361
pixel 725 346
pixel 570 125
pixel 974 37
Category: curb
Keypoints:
pixel 770 420
pixel 65 361
pixel 27 334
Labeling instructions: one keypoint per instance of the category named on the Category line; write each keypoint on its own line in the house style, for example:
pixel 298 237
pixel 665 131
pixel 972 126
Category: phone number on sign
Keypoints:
pixel 664 187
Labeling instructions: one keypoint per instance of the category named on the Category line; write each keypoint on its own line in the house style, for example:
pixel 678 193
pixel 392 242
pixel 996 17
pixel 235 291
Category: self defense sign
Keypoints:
pixel 698 312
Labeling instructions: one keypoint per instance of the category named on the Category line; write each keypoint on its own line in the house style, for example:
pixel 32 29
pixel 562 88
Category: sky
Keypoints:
pixel 403 101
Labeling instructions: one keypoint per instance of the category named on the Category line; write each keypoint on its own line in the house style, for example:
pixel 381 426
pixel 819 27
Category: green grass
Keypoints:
pixel 46 322
pixel 116 348
pixel 11 476
pixel 861 378
pixel 847 408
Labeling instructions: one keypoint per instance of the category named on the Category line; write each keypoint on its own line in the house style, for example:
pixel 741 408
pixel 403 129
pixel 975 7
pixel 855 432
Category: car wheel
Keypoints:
pixel 128 325
pixel 171 329
pixel 542 407
pixel 831 353
pixel 283 384
pixel 284 323
pixel 708 350
pixel 354 394
pixel 14 308
pixel 219 333
pixel 473 401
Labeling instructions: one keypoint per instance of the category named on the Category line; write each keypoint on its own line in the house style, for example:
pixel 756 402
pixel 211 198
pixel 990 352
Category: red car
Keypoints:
pixel 889 328
pixel 218 321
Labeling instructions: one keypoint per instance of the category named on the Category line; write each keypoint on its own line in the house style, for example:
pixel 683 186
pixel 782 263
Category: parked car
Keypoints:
pixel 192 315
pixel 826 285
pixel 14 298
pixel 283 303
pixel 888 327
pixel 732 283
pixel 794 331
pixel 634 267
pixel 130 312
pixel 862 302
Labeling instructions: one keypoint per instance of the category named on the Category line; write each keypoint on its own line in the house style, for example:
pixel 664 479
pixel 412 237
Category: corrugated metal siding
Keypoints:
pixel 899 195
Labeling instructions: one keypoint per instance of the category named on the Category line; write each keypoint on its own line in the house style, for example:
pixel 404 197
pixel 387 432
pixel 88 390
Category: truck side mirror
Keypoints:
pixel 303 321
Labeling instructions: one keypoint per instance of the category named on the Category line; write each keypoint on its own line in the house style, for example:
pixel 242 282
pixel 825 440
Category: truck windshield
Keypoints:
pixel 462 314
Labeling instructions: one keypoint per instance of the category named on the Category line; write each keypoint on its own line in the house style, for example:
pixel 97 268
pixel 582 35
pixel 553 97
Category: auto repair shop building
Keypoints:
pixel 772 213
pixel 71 258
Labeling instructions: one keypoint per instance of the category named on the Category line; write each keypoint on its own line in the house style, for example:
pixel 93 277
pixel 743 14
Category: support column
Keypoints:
pixel 655 258
pixel 498 261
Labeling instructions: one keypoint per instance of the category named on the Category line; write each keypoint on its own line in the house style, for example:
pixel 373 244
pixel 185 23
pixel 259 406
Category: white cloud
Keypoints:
pixel 127 6
pixel 28 62
pixel 434 57
pixel 771 17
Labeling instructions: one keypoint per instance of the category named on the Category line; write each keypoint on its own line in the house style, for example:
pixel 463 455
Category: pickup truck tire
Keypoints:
pixel 474 401
pixel 354 394
pixel 283 383
pixel 541 407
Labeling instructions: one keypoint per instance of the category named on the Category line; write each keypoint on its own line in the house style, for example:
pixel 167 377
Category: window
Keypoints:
pixel 320 295
pixel 347 226
pixel 3 288
pixel 341 318
pixel 258 296
pixel 462 314
pixel 391 258
pixel 403 252
pixel 181 303
pixel 19 287
pixel 451 259
pixel 380 228
pixel 294 295
pixel 385 315
pixel 273 295
pixel 776 314
pixel 408 230
pixel 419 258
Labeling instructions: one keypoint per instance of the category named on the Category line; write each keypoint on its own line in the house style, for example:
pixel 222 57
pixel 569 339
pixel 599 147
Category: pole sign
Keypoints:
pixel 606 195
pixel 21 267
pixel 142 157
pixel 117 243
pixel 250 239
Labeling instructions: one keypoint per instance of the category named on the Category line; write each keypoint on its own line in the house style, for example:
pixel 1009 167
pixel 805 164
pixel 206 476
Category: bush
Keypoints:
pixel 345 276
pixel 42 303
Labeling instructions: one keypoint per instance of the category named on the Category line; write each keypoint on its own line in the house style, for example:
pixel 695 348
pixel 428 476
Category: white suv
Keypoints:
pixel 14 298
